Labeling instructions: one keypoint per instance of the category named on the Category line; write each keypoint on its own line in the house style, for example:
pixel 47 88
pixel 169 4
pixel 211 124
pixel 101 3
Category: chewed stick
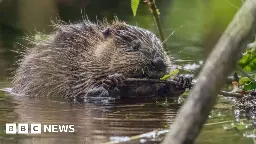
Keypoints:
pixel 138 80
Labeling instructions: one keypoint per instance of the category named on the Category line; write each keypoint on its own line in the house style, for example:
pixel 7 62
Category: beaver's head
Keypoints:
pixel 139 53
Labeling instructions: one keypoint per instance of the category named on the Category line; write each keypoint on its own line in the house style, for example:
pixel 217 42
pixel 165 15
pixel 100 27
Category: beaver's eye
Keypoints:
pixel 135 45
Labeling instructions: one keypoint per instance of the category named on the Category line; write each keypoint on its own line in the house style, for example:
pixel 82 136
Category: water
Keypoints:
pixel 198 24
pixel 98 124
pixel 93 123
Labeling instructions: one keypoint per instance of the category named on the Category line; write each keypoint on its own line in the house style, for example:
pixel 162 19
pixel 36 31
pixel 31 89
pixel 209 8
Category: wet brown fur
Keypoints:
pixel 76 57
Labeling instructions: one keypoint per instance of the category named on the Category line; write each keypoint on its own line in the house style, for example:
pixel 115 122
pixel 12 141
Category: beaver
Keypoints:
pixel 93 59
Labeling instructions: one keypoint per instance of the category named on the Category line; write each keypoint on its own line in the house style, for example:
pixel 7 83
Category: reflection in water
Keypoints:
pixel 93 124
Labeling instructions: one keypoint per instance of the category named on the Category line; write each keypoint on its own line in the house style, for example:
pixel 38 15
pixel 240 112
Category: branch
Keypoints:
pixel 230 94
pixel 219 64
pixel 136 80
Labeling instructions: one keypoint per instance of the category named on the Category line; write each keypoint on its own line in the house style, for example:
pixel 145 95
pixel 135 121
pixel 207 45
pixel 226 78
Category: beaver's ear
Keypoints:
pixel 106 32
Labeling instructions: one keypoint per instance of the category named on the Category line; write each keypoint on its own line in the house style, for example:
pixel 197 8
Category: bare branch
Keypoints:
pixel 230 94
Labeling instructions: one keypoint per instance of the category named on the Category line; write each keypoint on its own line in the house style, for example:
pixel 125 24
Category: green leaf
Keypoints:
pixel 247 57
pixel 134 6
pixel 247 68
pixel 244 80
pixel 248 61
pixel 249 86
pixel 252 64
pixel 174 72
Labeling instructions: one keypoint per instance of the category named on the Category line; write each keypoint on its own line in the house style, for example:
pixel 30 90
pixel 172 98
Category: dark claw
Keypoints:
pixel 183 82
pixel 106 86
pixel 108 82
pixel 100 94
pixel 176 89
pixel 113 81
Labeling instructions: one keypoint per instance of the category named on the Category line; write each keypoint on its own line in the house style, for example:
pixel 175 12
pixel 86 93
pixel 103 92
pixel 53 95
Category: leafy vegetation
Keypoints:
pixel 248 64
pixel 248 61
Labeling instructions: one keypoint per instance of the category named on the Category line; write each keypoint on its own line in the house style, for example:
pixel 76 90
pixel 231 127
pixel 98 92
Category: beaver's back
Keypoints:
pixel 50 68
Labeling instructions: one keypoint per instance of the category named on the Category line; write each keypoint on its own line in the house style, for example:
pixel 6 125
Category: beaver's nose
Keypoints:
pixel 158 63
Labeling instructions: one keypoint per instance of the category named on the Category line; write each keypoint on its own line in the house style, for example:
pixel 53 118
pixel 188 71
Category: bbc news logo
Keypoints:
pixel 37 128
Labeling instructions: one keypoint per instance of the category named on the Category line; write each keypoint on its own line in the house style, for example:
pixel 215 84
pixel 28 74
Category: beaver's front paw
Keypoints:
pixel 183 82
pixel 97 92
pixel 175 89
pixel 102 92
pixel 113 81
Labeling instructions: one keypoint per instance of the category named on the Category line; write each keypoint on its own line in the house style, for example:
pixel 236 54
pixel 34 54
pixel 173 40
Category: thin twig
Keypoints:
pixel 131 80
pixel 230 94
pixel 155 13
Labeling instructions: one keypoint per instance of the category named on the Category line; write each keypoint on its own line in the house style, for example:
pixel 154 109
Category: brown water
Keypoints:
pixel 118 121
pixel 93 123
pixel 198 24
